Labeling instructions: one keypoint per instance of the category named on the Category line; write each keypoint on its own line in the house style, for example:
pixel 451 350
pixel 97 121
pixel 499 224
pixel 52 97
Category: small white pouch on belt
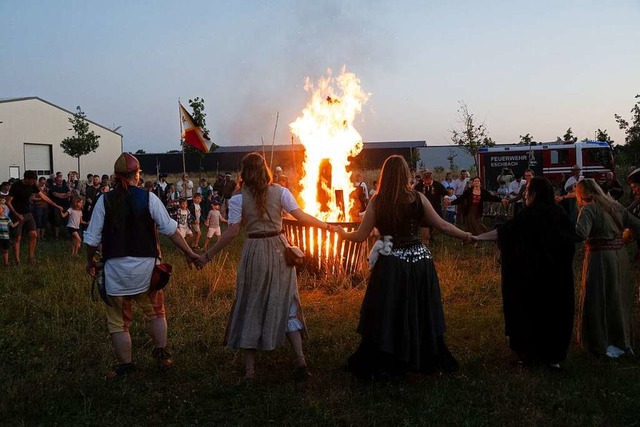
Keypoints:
pixel 381 246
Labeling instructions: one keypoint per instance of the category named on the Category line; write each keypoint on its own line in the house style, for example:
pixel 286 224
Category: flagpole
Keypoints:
pixel 273 142
pixel 293 156
pixel 184 167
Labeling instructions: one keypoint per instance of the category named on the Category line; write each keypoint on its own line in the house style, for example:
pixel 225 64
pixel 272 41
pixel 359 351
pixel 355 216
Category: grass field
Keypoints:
pixel 54 350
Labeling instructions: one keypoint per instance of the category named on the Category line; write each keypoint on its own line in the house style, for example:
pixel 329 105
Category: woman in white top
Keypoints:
pixel 267 304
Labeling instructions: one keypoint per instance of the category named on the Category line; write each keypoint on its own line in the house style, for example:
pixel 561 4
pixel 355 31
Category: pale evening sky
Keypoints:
pixel 534 67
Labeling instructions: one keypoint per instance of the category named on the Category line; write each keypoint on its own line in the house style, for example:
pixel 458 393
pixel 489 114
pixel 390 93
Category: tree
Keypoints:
pixel 452 155
pixel 470 136
pixel 603 136
pixel 84 141
pixel 197 106
pixel 631 130
pixel 568 137
pixel 526 140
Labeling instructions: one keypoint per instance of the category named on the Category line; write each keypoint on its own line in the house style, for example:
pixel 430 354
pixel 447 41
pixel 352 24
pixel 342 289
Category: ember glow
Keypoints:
pixel 327 133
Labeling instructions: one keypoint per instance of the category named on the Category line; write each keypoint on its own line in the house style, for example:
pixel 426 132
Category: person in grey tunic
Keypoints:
pixel 607 285
pixel 267 304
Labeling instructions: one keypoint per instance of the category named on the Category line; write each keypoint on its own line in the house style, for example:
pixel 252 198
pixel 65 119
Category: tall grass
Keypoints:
pixel 54 350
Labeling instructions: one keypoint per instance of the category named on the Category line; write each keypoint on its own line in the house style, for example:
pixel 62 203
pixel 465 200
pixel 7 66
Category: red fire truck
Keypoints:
pixel 552 160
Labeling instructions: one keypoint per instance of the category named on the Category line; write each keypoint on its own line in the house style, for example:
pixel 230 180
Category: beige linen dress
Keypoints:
pixel 267 303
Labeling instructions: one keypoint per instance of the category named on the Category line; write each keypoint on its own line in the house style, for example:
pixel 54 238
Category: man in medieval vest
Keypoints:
pixel 126 221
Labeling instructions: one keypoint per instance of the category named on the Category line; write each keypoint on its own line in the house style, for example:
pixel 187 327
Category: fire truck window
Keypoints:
pixel 598 157
pixel 559 157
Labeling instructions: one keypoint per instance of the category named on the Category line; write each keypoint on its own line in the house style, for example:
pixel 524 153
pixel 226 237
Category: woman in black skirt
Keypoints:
pixel 401 319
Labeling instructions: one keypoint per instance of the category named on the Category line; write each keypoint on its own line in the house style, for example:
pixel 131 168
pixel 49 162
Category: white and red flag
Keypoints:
pixel 193 135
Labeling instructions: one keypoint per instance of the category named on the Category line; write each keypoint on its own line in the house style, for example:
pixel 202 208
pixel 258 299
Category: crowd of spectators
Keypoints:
pixel 60 207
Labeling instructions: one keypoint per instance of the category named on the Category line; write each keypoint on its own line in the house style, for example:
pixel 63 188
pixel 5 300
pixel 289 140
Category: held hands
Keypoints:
pixel 469 238
pixel 338 229
pixel 202 260
pixel 192 258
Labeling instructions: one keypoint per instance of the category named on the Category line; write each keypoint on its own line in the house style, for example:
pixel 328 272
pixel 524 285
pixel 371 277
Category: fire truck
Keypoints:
pixel 552 160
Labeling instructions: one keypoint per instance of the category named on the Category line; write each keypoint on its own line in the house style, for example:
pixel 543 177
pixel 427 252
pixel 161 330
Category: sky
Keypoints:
pixel 536 67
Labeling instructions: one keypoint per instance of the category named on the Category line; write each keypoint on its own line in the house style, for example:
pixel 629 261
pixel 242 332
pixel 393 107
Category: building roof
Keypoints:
pixel 29 98
pixel 258 148
pixel 395 144
pixel 300 147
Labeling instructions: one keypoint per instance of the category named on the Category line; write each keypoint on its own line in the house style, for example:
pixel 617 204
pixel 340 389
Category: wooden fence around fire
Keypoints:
pixel 326 252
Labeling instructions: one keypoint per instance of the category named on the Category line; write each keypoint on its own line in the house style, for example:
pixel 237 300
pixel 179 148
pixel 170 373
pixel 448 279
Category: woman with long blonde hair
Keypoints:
pixel 607 285
pixel 401 320
pixel 267 305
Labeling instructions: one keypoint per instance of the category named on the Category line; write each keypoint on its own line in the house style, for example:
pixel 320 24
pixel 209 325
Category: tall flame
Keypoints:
pixel 327 133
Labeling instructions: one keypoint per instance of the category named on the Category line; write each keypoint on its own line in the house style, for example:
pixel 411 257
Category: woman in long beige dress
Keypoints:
pixel 607 284
pixel 267 305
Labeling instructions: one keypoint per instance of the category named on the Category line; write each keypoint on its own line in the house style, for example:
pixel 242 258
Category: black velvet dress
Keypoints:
pixel 401 319
pixel 537 248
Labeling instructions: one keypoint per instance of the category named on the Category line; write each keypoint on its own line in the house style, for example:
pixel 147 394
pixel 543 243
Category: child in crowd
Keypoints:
pixel 196 213
pixel 74 223
pixel 213 223
pixel 450 210
pixel 373 190
pixel 503 190
pixel 172 198
pixel 184 219
pixel 5 223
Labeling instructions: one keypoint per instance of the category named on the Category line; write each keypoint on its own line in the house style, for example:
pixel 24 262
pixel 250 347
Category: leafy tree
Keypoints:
pixel 568 137
pixel 414 157
pixel 470 136
pixel 527 140
pixel 141 151
pixel 631 130
pixel 84 141
pixel 452 166
pixel 603 136
pixel 197 106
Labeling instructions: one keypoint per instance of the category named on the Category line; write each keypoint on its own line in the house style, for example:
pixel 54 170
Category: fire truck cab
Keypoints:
pixel 552 160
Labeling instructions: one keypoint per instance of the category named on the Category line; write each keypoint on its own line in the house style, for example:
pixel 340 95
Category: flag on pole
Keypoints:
pixel 193 135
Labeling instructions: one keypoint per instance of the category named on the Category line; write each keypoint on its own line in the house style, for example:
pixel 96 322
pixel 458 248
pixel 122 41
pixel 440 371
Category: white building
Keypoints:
pixel 31 130
pixel 434 156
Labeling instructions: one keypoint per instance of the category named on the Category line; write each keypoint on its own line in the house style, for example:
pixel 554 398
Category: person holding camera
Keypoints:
pixel 505 177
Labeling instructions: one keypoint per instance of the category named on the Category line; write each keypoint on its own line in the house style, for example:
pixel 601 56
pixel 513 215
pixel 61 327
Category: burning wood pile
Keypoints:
pixel 326 130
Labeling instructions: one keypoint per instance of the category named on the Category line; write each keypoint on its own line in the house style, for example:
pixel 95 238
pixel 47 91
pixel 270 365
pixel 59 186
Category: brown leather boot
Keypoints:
pixel 163 358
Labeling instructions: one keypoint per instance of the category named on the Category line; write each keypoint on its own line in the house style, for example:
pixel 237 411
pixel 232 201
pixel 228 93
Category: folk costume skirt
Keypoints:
pixel 401 319
pixel 267 303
